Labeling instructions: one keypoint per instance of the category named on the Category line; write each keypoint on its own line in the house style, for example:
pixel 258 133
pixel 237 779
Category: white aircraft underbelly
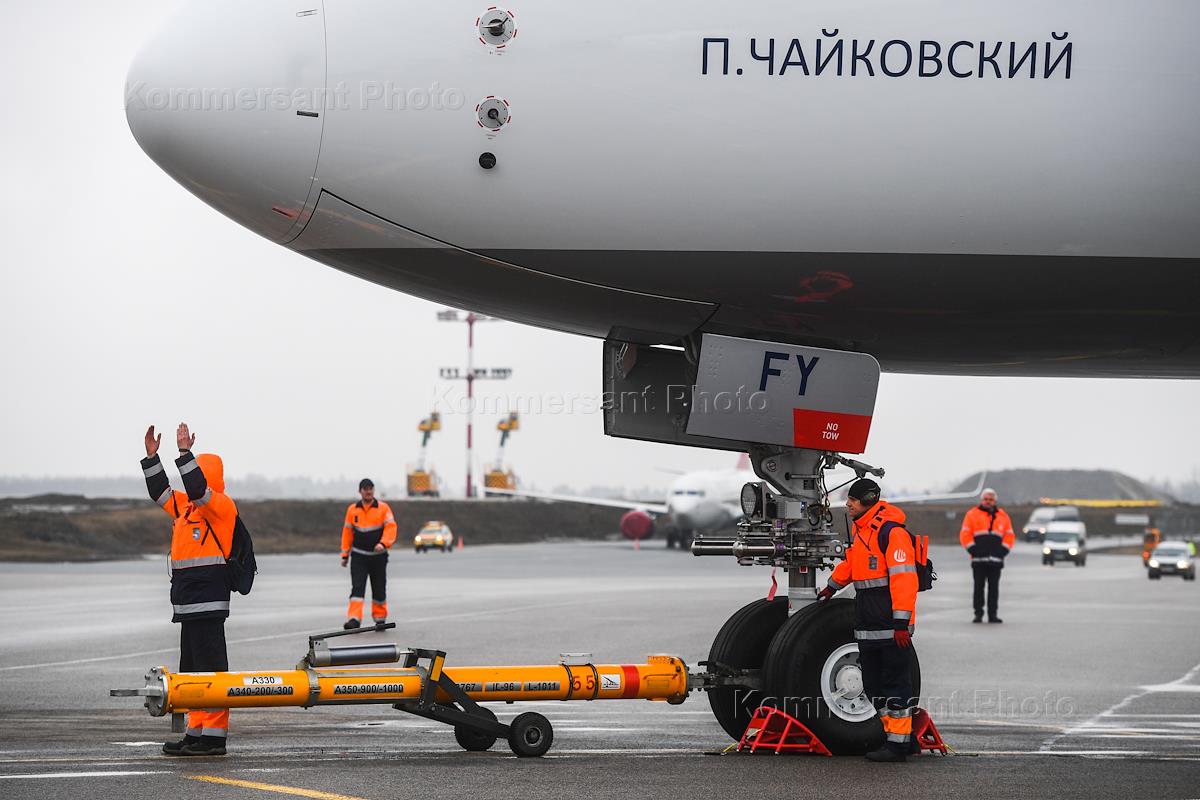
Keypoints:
pixel 1013 189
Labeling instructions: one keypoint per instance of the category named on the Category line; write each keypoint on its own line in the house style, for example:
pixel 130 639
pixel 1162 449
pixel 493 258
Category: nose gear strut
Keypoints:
pixel 793 527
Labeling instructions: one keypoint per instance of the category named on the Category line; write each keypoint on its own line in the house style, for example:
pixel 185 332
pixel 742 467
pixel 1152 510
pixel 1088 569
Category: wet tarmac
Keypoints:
pixel 1090 688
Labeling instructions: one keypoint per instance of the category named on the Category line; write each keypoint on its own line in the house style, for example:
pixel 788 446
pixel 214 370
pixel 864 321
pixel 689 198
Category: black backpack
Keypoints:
pixel 240 565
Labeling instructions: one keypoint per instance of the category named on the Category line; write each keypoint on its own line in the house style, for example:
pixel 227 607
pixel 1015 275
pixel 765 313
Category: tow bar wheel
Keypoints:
pixel 472 740
pixel 530 735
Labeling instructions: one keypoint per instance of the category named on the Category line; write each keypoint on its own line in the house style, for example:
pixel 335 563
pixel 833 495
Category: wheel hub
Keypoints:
pixel 849 681
pixel 842 685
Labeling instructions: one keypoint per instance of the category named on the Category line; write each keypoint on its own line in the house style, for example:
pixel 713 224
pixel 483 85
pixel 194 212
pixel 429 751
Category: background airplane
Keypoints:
pixel 708 501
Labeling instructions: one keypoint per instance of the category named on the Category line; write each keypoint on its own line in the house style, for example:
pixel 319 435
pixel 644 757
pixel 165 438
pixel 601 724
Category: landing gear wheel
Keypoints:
pixel 811 671
pixel 742 643
pixel 685 539
pixel 530 735
pixel 474 740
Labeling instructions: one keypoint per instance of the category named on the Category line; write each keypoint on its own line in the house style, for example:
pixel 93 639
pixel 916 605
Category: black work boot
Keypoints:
pixel 887 755
pixel 380 620
pixel 174 748
pixel 978 618
pixel 206 746
pixel 995 620
pixel 351 624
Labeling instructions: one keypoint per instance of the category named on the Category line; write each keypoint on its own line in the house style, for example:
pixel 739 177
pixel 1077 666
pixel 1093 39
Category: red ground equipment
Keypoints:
pixel 772 730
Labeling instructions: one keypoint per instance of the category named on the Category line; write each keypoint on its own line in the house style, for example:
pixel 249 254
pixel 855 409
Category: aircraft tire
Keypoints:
pixel 804 660
pixel 742 643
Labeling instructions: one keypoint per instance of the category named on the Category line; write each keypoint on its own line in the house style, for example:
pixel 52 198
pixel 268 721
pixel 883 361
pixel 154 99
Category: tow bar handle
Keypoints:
pixel 377 628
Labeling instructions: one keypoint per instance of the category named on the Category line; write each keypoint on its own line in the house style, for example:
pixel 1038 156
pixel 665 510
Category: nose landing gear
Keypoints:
pixel 789 653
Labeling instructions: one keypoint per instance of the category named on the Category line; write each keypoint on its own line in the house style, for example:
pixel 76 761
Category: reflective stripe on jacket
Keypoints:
pixel 882 565
pixel 367 526
pixel 987 535
pixel 201 535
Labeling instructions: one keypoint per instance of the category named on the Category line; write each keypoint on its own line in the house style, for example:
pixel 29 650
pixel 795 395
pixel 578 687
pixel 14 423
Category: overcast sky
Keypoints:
pixel 126 301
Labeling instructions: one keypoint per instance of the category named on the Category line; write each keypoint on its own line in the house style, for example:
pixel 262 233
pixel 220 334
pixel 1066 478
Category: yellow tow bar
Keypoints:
pixel 419 685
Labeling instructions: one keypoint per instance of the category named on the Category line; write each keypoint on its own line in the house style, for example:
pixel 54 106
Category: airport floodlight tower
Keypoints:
pixel 497 477
pixel 472 374
pixel 422 482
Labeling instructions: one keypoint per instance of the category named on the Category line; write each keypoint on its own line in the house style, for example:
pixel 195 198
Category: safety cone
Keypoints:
pixel 637 544
pixel 459 546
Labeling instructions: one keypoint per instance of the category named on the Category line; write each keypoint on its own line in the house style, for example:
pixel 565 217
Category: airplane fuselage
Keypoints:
pixel 954 187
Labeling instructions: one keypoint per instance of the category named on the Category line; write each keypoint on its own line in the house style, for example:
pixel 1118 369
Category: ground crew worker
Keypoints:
pixel 987 534
pixel 369 530
pixel 882 565
pixel 200 540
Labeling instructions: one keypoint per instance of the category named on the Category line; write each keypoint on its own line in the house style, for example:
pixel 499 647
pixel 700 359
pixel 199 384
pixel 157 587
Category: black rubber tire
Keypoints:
pixel 670 538
pixel 685 540
pixel 742 643
pixel 792 675
pixel 473 740
pixel 530 735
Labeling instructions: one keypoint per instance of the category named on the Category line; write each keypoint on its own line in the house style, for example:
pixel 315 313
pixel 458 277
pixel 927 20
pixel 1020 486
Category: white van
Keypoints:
pixel 1066 540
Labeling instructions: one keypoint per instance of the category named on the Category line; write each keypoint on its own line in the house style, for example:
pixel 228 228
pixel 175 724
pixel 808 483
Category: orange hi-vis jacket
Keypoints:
pixel 367 526
pixel 987 535
pixel 202 534
pixel 882 565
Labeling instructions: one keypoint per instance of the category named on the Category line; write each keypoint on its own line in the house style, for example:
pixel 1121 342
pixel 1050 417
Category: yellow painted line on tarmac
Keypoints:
pixel 272 787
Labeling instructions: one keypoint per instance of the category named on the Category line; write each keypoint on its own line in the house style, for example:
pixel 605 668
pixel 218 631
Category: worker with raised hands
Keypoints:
pixel 201 539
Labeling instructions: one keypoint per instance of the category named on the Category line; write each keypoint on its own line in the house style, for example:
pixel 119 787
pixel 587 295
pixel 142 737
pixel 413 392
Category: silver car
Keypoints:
pixel 1172 558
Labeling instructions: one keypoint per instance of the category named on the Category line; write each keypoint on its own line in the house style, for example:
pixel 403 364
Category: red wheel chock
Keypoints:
pixel 774 731
pixel 926 733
